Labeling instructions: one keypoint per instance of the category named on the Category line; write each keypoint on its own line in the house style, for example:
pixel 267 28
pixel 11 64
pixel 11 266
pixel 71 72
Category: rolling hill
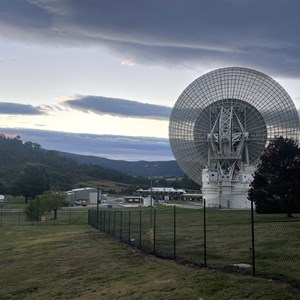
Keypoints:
pixel 138 168
pixel 67 170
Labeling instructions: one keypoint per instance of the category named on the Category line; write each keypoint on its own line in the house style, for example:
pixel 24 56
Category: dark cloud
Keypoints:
pixel 18 109
pixel 261 34
pixel 108 146
pixel 22 13
pixel 120 107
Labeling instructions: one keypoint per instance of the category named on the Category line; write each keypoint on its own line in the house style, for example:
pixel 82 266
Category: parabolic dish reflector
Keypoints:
pixel 258 105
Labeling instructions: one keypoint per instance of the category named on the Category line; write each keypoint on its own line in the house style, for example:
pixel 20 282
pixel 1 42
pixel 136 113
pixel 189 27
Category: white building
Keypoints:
pixel 89 194
pixel 137 201
pixel 162 193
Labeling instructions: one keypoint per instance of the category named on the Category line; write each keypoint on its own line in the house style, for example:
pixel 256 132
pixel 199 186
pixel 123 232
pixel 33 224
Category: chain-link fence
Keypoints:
pixel 64 217
pixel 277 246
pixel 263 245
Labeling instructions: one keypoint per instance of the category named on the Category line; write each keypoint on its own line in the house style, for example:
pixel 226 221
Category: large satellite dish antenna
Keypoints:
pixel 220 125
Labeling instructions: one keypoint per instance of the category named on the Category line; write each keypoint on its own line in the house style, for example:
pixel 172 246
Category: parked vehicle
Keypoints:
pixel 78 202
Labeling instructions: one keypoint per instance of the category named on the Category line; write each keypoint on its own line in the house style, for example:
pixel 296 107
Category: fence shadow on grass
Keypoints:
pixel 221 239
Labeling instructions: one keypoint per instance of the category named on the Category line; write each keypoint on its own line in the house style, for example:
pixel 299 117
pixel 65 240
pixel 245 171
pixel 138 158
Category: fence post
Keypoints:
pixel 174 223
pixel 114 223
pixel 1 216
pixel 104 212
pixel 96 215
pixel 70 217
pixel 108 229
pixel 94 220
pixel 121 229
pixel 154 232
pixel 140 244
pixel 101 217
pixel 129 221
pixel 37 217
pixel 253 245
pixel 97 207
pixel 204 228
pixel 19 221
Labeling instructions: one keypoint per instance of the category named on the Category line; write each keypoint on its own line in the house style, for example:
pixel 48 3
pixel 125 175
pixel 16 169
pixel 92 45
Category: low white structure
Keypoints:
pixel 89 194
pixel 137 201
pixel 162 193
pixel 192 197
pixel 221 192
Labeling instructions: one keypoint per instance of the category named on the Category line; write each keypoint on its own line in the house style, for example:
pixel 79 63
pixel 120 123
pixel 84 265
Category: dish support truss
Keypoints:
pixel 228 143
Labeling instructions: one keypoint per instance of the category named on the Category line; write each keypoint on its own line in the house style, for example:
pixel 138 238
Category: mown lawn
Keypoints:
pixel 228 238
pixel 77 262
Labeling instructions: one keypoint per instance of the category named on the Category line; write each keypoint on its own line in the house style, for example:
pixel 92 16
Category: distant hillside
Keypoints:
pixel 64 173
pixel 138 168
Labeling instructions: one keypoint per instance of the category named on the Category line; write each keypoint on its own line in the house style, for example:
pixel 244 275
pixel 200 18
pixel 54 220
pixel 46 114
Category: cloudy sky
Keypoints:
pixel 100 77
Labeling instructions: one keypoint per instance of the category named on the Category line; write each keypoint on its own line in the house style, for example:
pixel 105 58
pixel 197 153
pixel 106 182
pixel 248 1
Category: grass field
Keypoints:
pixel 77 262
pixel 228 237
pixel 13 214
pixel 228 234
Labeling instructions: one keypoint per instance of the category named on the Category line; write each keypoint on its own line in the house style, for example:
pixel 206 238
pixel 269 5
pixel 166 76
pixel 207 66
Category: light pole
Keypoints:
pixel 151 191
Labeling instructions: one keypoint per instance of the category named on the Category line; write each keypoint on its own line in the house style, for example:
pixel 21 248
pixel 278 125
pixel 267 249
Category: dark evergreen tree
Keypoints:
pixel 189 184
pixel 3 188
pixel 276 184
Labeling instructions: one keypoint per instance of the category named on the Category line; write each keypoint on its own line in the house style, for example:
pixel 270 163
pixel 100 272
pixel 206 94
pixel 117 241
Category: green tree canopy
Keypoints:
pixel 53 200
pixel 276 184
pixel 33 181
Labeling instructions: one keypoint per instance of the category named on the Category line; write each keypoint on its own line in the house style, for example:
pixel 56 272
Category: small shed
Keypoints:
pixel 136 201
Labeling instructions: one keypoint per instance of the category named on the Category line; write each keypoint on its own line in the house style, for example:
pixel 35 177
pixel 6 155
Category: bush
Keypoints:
pixel 35 210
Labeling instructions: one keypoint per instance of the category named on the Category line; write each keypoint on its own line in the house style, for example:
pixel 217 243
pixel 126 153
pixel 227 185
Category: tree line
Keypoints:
pixel 27 169
pixel 23 163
